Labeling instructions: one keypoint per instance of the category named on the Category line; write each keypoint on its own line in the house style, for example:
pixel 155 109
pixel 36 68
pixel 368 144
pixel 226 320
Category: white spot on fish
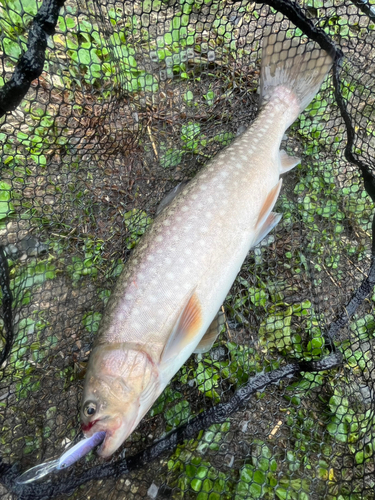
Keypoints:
pixel 151 321
pixel 120 316
pixel 129 296
pixel 135 325
pixel 187 251
pixel 210 199
pixel 153 299
pixel 203 229
pixel 159 238
pixel 203 187
pixel 170 276
pixel 185 208
pixel 150 258
pixel 168 261
pixel 224 174
pixel 166 222
pixel 194 196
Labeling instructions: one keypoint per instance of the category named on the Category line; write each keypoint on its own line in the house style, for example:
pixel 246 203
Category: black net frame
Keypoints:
pixel 101 121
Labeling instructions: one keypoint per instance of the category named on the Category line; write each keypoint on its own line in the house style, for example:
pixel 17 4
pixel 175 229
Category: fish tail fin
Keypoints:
pixel 292 71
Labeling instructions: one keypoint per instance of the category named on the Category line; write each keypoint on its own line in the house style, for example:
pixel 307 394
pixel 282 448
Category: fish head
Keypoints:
pixel 121 383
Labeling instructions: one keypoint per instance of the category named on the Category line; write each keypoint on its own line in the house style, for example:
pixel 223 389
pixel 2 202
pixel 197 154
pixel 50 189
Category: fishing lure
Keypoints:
pixel 71 456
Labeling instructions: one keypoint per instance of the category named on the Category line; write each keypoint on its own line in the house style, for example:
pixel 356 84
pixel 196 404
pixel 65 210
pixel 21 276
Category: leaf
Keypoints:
pixel 12 49
pixel 178 414
pixel 6 206
pixel 136 221
pixel 210 97
pixel 171 158
pixel 91 321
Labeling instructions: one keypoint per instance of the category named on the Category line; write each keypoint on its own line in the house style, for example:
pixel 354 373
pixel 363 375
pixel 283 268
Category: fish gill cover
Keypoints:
pixel 106 107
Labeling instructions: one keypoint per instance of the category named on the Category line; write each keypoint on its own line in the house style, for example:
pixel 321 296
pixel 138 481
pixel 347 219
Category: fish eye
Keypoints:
pixel 90 409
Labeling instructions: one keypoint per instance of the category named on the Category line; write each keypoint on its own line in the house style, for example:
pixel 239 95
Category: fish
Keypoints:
pixel 174 283
pixel 70 457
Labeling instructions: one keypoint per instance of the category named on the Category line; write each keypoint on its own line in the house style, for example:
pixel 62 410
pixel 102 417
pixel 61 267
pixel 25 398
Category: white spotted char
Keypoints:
pixel 183 267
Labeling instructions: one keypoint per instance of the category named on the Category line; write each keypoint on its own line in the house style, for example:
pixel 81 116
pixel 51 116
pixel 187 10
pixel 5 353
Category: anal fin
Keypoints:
pixel 288 162
pixel 271 221
pixel 212 333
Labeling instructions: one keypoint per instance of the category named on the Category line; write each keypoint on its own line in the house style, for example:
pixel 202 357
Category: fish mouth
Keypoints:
pixel 116 429
pixel 116 433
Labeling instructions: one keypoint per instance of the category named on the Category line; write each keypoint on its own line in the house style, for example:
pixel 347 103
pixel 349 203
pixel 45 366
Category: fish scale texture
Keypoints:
pixel 132 98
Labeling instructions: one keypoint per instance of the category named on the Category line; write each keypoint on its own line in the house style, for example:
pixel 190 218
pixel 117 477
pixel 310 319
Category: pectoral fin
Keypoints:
pixel 212 333
pixel 268 205
pixel 185 330
pixel 288 162
pixel 271 221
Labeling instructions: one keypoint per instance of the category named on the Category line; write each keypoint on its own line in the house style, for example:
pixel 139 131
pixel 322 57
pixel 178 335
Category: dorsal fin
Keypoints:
pixel 167 200
pixel 185 330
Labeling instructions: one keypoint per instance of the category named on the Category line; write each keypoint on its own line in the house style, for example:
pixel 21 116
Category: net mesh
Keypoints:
pixel 132 99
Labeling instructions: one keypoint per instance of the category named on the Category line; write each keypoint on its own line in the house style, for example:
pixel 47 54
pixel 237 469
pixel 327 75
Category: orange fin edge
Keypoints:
pixel 185 330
